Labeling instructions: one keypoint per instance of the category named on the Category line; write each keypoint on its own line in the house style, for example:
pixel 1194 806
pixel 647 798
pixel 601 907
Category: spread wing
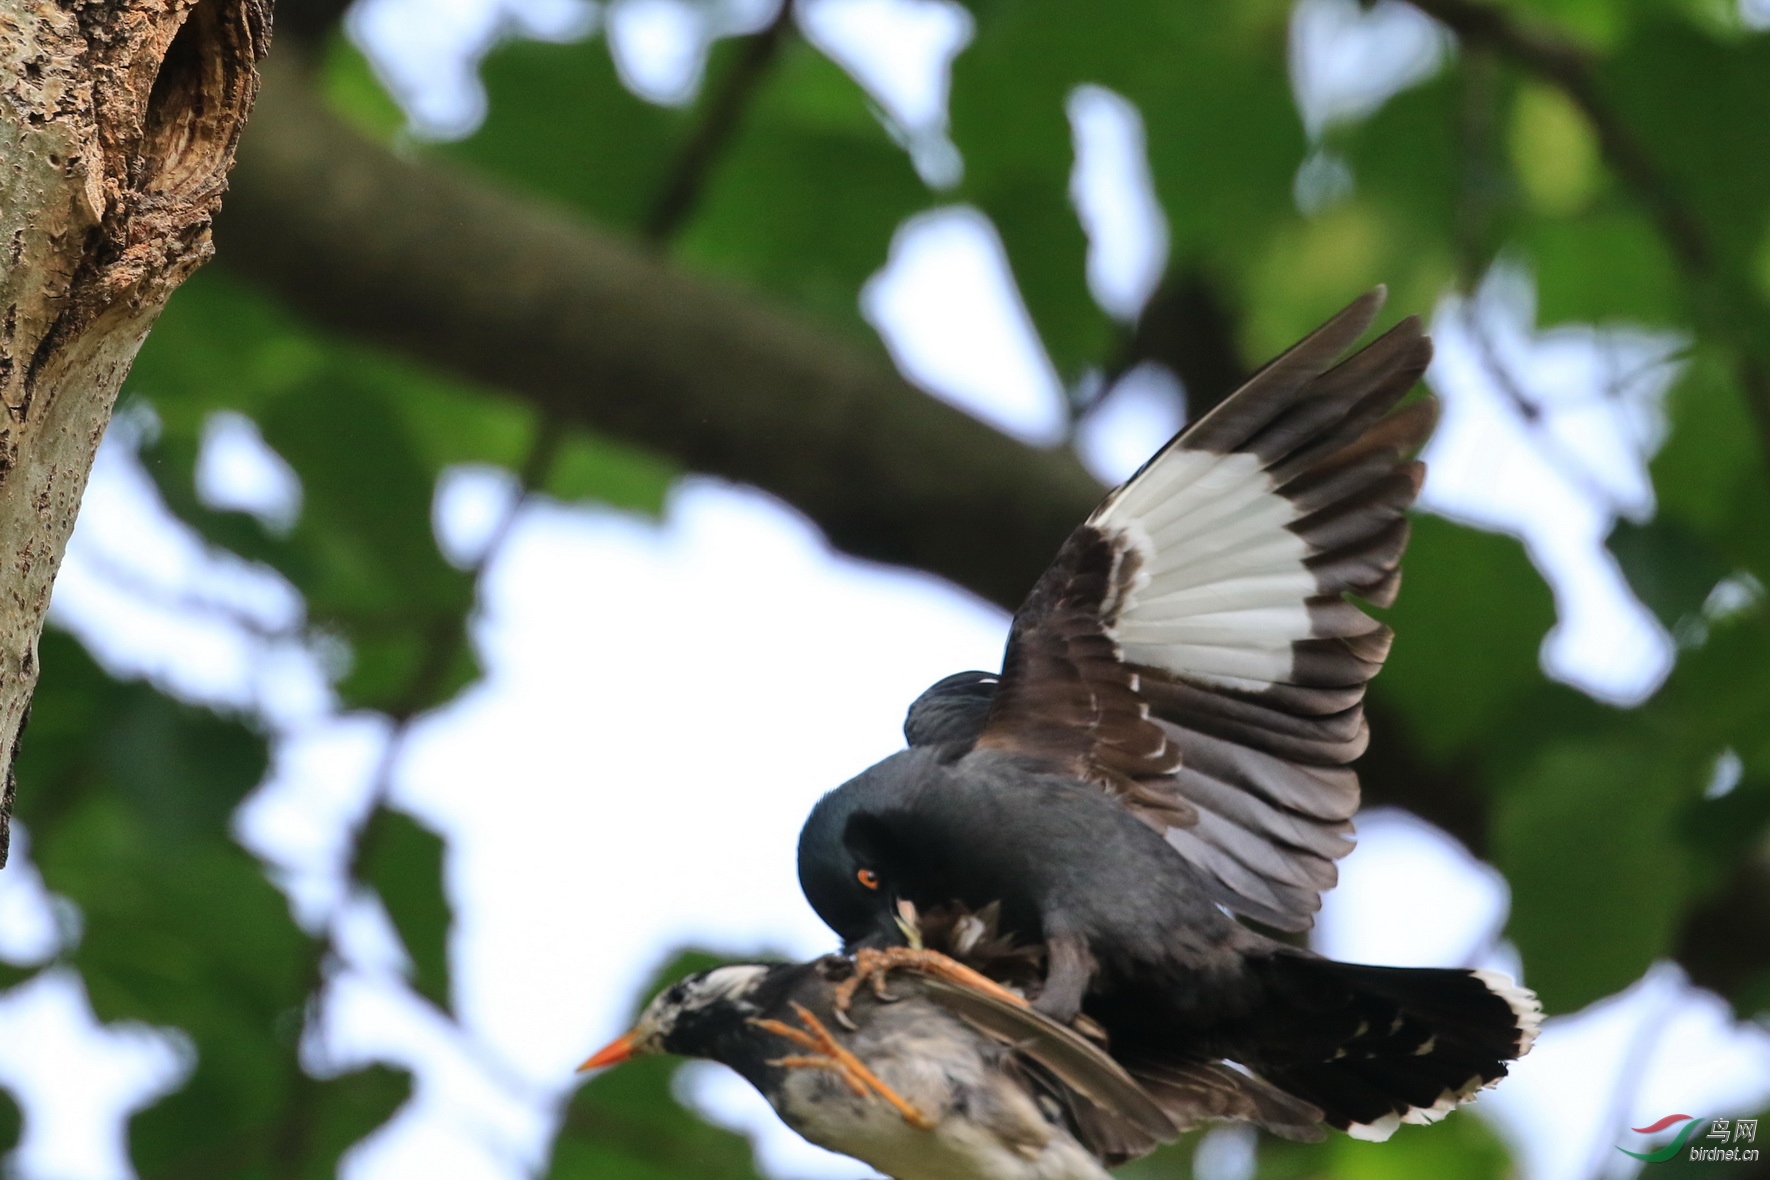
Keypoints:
pixel 1192 648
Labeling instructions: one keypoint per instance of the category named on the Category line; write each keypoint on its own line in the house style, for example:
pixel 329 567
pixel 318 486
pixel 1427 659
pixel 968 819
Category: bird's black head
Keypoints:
pixel 853 865
pixel 705 1014
pixel 849 864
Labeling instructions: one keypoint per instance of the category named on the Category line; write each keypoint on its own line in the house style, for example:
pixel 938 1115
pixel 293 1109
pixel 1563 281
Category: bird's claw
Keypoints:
pixel 826 1052
pixel 871 966
pixel 879 992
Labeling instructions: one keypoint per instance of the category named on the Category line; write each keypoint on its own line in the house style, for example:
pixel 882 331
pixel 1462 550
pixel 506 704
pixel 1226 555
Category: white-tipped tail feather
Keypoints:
pixel 1426 1041
pixel 1523 1002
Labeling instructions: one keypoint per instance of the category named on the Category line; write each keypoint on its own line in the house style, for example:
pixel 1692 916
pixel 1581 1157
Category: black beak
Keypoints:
pixel 885 933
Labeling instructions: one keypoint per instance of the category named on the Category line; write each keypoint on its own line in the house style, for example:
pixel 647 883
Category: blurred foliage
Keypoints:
pixel 403 860
pixel 1599 817
pixel 1462 1147
pixel 182 928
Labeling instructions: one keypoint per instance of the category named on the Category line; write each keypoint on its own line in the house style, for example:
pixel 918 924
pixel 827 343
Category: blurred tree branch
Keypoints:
pixel 713 135
pixel 1731 309
pixel 1188 327
pixel 599 333
pixel 453 271
pixel 118 129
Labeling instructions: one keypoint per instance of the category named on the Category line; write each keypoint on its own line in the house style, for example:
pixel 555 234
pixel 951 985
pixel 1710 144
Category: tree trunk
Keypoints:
pixel 118 120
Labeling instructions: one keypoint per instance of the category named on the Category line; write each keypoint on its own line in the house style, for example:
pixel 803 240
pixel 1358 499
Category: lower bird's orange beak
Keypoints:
pixel 613 1053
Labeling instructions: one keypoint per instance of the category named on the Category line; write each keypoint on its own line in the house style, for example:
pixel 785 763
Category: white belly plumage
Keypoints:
pixel 987 1126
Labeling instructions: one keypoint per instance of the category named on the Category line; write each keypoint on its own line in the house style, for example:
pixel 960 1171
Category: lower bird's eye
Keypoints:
pixel 868 878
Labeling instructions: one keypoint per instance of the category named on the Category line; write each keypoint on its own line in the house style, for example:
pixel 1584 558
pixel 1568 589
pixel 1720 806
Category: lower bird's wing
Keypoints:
pixel 1192 648
pixel 1072 1059
pixel 1197 1092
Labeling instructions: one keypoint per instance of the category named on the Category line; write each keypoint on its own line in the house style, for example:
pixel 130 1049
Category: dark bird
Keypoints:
pixel 1164 759
pixel 953 1079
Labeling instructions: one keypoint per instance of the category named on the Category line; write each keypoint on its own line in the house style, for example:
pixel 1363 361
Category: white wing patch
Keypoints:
pixel 1221 592
pixel 1194 649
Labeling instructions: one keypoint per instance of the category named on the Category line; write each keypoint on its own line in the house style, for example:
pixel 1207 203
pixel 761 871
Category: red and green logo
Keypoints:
pixel 1723 1141
pixel 1670 1149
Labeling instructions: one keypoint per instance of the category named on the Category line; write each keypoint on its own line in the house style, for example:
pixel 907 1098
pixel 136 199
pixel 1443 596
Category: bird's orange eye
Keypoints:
pixel 868 878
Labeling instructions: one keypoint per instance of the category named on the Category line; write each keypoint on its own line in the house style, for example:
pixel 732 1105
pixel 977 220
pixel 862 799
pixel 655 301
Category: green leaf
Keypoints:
pixel 1554 152
pixel 404 861
pixel 367 435
pixel 1724 831
pixel 10 1123
pixel 1710 475
pixel 805 199
pixel 371 564
pixel 344 1110
pixel 626 1123
pixel 1313 268
pixel 560 124
pixel 1223 134
pixel 1700 109
pixel 801 201
pixel 1048 253
pixel 1462 1147
pixel 1671 568
pixel 1469 623
pixel 1608 263
pixel 181 770
pixel 128 797
pixel 221 345
pixel 1597 22
pixel 1009 87
pixel 1172 1162
pixel 365 490
pixel 352 91
pixel 590 468
pixel 1587 837
pixel 1426 210
pixel 1716 697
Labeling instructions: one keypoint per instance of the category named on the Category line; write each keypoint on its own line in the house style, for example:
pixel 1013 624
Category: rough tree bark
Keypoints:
pixel 118 121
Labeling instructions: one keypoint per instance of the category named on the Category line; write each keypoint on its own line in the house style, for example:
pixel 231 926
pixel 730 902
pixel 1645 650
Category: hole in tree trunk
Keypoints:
pixel 192 111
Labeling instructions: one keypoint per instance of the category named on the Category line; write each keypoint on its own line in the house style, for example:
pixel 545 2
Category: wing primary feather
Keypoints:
pixel 1199 622
pixel 1233 421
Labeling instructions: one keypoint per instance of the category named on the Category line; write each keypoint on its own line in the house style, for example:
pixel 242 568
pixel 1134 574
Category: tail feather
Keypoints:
pixel 1421 1041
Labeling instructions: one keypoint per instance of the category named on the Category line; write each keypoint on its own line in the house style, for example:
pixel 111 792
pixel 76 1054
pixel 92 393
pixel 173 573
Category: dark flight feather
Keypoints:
pixel 1192 648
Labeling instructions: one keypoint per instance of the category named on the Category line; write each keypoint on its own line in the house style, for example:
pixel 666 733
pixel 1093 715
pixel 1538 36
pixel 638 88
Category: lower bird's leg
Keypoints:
pixel 829 1053
pixel 872 965
pixel 1069 969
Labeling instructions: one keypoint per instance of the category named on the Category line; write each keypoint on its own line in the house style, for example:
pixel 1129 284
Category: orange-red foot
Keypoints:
pixel 871 966
pixel 826 1052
